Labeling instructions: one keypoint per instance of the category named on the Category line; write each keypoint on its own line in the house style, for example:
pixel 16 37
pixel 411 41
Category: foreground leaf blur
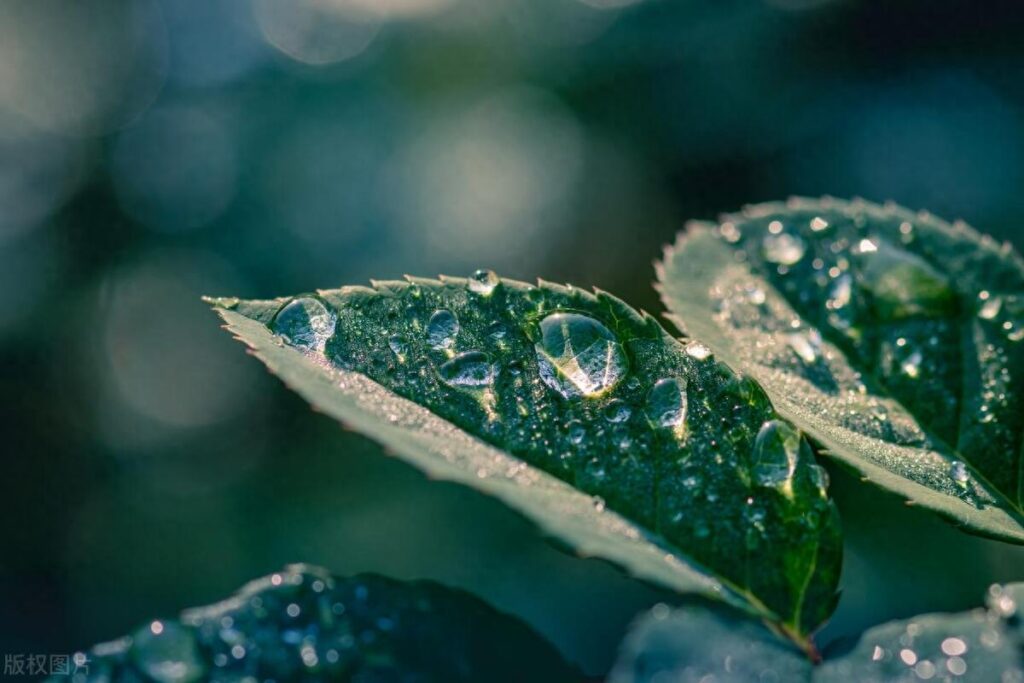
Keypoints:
pixel 304 624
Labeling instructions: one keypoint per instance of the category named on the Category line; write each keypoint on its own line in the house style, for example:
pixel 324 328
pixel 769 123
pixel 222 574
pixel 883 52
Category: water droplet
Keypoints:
pixel 441 329
pixel 819 477
pixel 576 431
pixel 954 646
pixel 1000 602
pixel 666 403
pixel 167 653
pixel 818 224
pixel 958 472
pixel 399 347
pixel 912 365
pixel 483 282
pixel 578 356
pixel 866 246
pixel 806 345
pixel 467 369
pixel 496 331
pixel 305 323
pixel 617 411
pixel 694 349
pixel 776 452
pixel 990 309
pixel 842 292
pixel 784 248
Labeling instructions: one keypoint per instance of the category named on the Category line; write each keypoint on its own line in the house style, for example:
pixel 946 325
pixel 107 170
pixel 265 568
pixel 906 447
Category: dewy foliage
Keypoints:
pixel 585 415
pixel 693 645
pixel 304 624
pixel 895 339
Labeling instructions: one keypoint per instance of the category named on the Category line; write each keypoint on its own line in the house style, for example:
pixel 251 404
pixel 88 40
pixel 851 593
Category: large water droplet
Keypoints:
pixel 784 249
pixel 305 323
pixel 468 369
pixel 483 282
pixel 167 653
pixel 666 404
pixel 776 453
pixel 578 356
pixel 441 329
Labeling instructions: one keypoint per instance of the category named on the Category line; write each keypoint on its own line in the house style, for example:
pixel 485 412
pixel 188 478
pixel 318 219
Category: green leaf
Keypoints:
pixel 694 644
pixel 894 339
pixel 581 413
pixel 304 624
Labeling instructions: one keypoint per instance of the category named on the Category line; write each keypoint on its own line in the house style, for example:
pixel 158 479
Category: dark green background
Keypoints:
pixel 152 152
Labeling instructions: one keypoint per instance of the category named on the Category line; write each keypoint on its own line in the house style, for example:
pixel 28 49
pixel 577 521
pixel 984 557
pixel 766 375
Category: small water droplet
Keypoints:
pixel 467 369
pixel 483 282
pixel 578 356
pixel 990 308
pixel 617 411
pixel 167 653
pixel 866 246
pixel 697 350
pixel 784 248
pixel 305 323
pixel 806 345
pixel 399 347
pixel 958 472
pixel 818 224
pixel 842 292
pixel 441 329
pixel 912 365
pixel 953 646
pixel 1000 602
pixel 497 331
pixel 576 431
pixel 776 453
pixel 666 403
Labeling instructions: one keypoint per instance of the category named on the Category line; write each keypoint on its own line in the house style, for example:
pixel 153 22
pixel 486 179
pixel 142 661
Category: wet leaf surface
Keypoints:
pixel 895 339
pixel 697 645
pixel 583 414
pixel 304 624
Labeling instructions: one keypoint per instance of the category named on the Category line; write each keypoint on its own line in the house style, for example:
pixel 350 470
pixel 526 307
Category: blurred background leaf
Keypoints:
pixel 151 151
